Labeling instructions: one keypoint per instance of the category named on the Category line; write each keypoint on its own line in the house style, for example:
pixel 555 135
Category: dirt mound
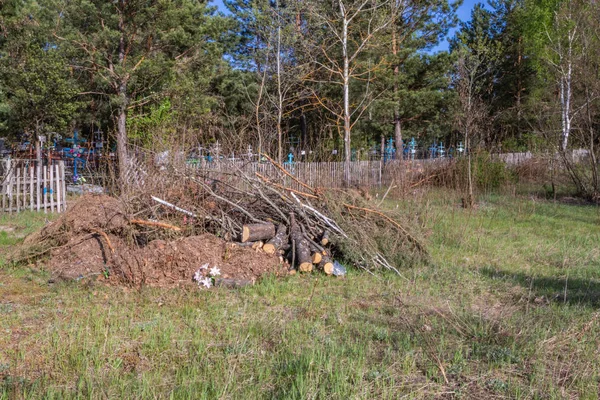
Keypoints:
pixel 176 261
pixel 91 212
pixel 95 239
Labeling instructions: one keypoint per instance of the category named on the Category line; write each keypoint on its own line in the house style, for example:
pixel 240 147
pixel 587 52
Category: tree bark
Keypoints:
pixel 255 232
pixel 302 247
pixel 346 87
pixel 122 152
pixel 397 123
pixel 278 241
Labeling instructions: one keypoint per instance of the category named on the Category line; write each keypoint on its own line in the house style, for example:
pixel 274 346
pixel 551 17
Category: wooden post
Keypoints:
pixel 10 191
pixel 18 190
pixel 45 187
pixel 24 188
pixel 64 184
pixel 57 186
pixel 4 180
pixel 31 187
pixel 37 185
pixel 51 185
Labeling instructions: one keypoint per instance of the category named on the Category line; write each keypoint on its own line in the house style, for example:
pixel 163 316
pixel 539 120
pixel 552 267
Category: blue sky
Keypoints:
pixel 464 13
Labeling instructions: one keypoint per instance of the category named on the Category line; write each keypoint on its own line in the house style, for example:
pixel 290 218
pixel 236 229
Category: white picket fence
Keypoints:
pixel 28 185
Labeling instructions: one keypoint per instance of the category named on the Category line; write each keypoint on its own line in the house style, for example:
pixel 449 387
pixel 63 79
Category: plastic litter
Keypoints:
pixel 338 269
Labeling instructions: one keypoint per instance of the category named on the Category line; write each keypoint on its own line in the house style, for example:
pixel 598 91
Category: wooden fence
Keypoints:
pixel 369 174
pixel 28 185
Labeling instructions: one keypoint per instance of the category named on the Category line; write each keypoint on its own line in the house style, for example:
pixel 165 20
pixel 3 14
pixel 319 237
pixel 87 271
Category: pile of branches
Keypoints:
pixel 307 226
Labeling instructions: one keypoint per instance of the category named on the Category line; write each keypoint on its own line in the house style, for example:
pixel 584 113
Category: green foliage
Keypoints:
pixel 490 175
pixel 40 94
pixel 143 128
pixel 62 64
pixel 499 34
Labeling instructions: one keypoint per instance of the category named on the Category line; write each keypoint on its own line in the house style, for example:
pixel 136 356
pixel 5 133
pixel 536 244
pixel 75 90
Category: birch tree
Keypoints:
pixel 268 48
pixel 562 56
pixel 573 47
pixel 349 29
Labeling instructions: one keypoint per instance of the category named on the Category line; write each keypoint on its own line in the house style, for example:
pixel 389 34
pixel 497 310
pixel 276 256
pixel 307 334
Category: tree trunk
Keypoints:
pixel 122 152
pixel 566 95
pixel 280 95
pixel 397 123
pixel 398 135
pixel 346 87
pixel 38 144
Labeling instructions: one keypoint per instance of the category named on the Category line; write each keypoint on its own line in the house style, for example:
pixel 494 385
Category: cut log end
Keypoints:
pixel 269 248
pixel 305 267
pixel 326 265
pixel 277 242
pixel 316 258
pixel 325 239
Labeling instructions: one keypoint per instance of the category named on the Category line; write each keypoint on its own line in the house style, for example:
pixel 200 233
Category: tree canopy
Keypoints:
pixel 333 79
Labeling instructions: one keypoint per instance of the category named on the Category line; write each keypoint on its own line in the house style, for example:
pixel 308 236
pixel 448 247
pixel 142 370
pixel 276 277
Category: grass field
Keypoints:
pixel 508 307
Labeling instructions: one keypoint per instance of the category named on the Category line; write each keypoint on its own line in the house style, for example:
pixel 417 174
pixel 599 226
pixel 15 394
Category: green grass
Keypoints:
pixel 14 227
pixel 507 308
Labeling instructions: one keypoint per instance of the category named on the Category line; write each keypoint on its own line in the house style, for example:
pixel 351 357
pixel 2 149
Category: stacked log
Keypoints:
pixel 326 265
pixel 301 246
pixel 303 253
pixel 277 242
pixel 256 232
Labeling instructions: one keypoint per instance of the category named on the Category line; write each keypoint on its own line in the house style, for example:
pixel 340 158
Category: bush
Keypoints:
pixel 487 174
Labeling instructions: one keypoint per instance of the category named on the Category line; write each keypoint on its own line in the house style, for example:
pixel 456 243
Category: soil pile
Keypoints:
pixel 95 237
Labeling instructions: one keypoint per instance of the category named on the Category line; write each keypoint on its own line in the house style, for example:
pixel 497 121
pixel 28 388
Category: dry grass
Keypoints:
pixel 507 308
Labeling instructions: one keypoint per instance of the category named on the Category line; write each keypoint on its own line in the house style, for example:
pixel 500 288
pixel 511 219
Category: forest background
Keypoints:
pixel 279 76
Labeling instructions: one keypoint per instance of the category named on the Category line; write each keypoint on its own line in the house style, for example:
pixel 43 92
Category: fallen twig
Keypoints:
pixel 156 224
pixel 298 181
pixel 173 206
pixel 266 180
pixel 105 236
